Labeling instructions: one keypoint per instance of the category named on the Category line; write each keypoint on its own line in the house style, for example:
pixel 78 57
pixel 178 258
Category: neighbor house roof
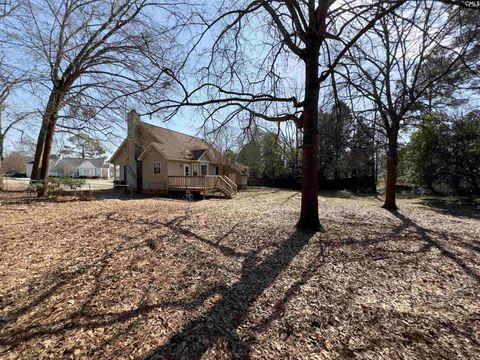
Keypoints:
pixel 52 157
pixel 76 162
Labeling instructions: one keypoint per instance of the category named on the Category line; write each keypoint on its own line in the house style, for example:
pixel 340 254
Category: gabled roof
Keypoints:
pixel 154 145
pixel 197 154
pixel 175 145
pixel 111 160
pixel 76 162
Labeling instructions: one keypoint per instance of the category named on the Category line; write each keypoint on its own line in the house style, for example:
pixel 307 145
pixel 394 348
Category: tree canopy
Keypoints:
pixel 84 146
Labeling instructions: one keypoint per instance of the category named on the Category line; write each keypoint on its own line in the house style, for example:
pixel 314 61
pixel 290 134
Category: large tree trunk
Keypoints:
pixel 46 156
pixel 42 136
pixel 35 176
pixel 44 143
pixel 392 160
pixel 309 208
pixel 1 155
pixel 1 151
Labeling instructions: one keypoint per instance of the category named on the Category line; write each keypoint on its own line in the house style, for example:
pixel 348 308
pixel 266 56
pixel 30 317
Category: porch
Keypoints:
pixel 206 185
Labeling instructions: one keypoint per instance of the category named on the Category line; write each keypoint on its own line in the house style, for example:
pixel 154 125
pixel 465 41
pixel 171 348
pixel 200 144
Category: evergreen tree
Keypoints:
pixel 84 146
pixel 251 155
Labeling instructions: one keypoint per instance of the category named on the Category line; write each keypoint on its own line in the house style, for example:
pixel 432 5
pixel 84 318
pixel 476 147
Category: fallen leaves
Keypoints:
pixel 164 278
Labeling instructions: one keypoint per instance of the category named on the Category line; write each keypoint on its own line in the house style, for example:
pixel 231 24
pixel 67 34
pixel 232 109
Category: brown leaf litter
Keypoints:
pixel 221 279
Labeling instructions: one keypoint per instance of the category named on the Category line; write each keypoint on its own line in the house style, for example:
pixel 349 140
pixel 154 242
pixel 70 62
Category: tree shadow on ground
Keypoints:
pixel 430 243
pixel 224 317
pixel 460 207
pixel 222 320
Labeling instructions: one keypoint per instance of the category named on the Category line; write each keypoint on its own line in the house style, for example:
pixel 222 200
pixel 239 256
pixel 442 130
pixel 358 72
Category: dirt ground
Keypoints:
pixel 218 279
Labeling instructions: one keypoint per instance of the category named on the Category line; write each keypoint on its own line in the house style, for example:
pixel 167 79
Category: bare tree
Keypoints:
pixel 7 8
pixel 90 56
pixel 387 70
pixel 259 51
pixel 9 82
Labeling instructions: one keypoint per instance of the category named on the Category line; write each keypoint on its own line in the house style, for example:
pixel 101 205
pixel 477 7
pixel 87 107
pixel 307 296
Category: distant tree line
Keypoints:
pixel 346 154
pixel 443 155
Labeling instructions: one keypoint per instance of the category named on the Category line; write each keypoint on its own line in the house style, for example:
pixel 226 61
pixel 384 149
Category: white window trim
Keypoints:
pixel 160 166
pixel 196 167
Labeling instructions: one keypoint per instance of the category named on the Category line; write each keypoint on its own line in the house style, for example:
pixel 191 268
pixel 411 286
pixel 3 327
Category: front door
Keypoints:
pixel 187 170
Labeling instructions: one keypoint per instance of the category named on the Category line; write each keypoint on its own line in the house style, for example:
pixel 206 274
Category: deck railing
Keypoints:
pixel 207 182
pixel 230 182
pixel 187 181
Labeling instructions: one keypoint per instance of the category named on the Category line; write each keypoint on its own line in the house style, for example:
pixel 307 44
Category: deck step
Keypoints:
pixel 225 191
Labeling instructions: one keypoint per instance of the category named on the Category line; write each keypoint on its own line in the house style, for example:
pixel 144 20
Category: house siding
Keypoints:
pixel 175 168
pixel 211 169
pixel 169 167
pixel 151 181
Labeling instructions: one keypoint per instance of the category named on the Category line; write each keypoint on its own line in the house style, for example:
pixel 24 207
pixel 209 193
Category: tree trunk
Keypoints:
pixel 46 156
pixel 309 209
pixel 392 159
pixel 1 150
pixel 374 161
pixel 42 135
pixel 44 143
pixel 34 176
pixel 1 155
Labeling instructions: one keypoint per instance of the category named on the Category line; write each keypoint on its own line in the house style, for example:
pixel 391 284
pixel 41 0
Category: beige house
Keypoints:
pixel 155 159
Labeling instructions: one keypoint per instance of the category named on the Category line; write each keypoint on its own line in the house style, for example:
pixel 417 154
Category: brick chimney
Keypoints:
pixel 131 172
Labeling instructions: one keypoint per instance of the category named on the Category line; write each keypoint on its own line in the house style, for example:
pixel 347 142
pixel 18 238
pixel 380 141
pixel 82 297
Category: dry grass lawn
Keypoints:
pixel 220 279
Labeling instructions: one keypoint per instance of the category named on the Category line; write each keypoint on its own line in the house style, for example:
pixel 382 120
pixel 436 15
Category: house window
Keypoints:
pixel 217 170
pixel 203 169
pixel 195 169
pixel 156 168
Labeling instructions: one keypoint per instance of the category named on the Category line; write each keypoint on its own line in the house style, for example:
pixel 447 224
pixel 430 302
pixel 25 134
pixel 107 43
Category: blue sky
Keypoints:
pixel 188 120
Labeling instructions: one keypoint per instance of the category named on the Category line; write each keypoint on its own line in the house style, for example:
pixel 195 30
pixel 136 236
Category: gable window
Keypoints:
pixel 156 168
pixel 203 169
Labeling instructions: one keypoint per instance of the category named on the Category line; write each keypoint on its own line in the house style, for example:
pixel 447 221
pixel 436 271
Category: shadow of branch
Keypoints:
pixel 432 243
pixel 221 321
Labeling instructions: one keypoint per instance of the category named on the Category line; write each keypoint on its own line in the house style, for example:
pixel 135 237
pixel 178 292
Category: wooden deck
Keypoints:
pixel 206 185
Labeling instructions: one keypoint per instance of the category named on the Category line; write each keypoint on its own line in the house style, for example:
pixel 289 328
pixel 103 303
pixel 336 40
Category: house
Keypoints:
pixel 76 167
pixel 153 159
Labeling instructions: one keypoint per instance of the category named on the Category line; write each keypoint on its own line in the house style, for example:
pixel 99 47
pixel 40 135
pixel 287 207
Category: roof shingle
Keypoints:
pixel 175 145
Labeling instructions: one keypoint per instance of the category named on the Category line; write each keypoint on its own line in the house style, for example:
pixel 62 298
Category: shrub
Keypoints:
pixel 57 183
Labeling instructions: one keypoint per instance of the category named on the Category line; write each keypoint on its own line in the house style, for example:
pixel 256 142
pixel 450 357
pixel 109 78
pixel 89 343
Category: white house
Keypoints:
pixel 76 167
